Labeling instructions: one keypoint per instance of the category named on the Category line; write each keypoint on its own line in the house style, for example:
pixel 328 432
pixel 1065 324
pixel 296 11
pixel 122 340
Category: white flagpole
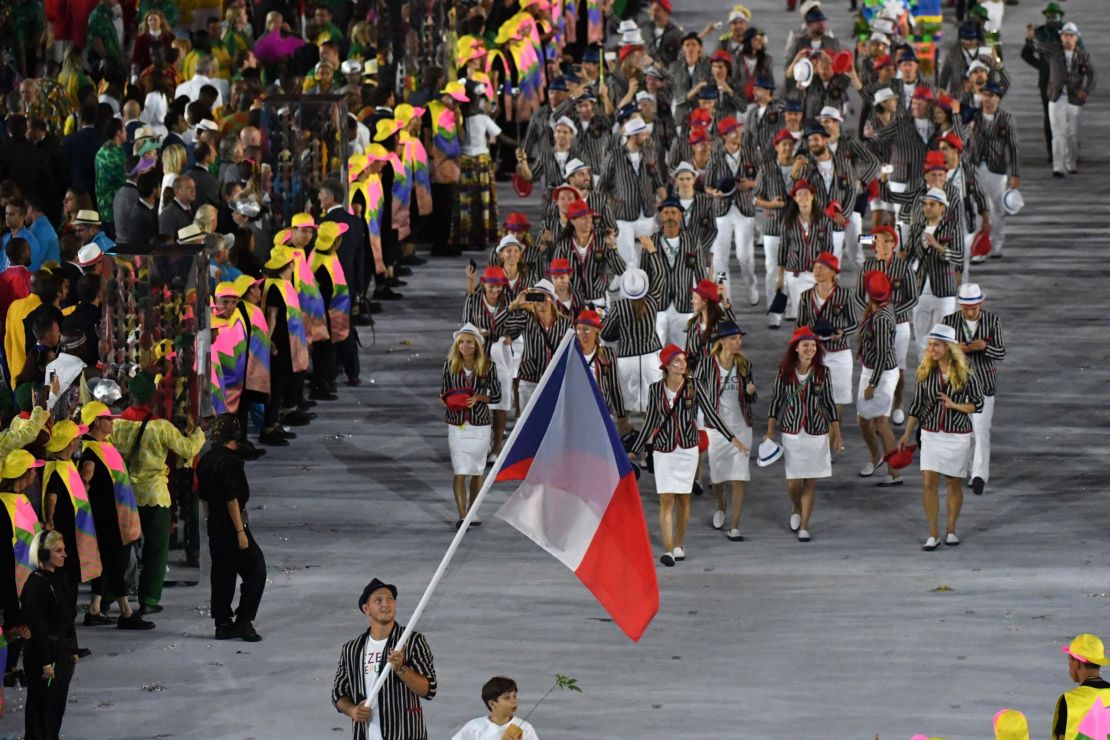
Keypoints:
pixel 372 695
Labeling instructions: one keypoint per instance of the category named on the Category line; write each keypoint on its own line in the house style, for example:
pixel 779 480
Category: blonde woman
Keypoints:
pixel 947 395
pixel 174 159
pixel 362 40
pixel 468 388
pixel 205 218
pixel 726 374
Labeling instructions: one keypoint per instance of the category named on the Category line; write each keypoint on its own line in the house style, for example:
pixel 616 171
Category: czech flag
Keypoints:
pixel 578 497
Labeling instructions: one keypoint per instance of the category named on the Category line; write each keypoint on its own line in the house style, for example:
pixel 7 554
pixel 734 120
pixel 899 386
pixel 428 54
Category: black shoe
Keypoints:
pixel 96 620
pixel 402 271
pixel 373 307
pixel 83 653
pixel 322 396
pixel 413 260
pixel 247 451
pixel 977 485
pixel 225 631
pixel 305 404
pixel 245 631
pixel 1059 175
pixel 286 433
pixel 458 524
pixel 395 283
pixel 273 438
pixel 697 489
pixel 150 609
pixel 298 418
pixel 135 622
pixel 387 294
pixel 13 678
pixel 354 382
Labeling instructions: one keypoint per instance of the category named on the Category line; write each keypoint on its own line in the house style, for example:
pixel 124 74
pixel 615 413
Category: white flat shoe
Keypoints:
pixel 930 544
pixel 803 535
pixel 898 417
pixel 679 553
pixel 667 559
pixel 753 295
pixel 735 536
pixel 867 470
pixel 951 539
pixel 795 522
pixel 718 519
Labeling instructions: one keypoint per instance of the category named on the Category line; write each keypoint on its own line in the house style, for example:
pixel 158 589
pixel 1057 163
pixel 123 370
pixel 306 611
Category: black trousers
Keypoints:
pixel 114 558
pixel 46 704
pixel 442 196
pixel 281 374
pixel 1047 125
pixel 346 353
pixel 229 563
pixel 323 366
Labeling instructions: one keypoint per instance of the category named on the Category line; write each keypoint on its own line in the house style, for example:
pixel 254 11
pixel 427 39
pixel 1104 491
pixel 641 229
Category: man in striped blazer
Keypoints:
pixel 980 335
pixel 634 184
pixel 674 264
pixel 730 181
pixel 835 179
pixel 993 149
pixel 398 714
pixel 937 246
pixel 909 136
pixel 763 119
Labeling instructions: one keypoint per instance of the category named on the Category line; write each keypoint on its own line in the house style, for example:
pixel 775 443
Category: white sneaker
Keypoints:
pixel 930 544
pixel 889 481
pixel 774 320
pixel 795 522
pixel 667 559
pixel 898 417
pixel 867 470
pixel 978 259
pixel 679 553
pixel 951 539
pixel 753 295
pixel 803 535
pixel 734 535
pixel 718 519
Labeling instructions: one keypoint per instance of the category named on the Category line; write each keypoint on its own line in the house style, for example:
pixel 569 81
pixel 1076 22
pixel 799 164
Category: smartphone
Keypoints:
pixel 867 240
pixel 610 56
pixel 887 169
pixel 535 297
pixel 473 265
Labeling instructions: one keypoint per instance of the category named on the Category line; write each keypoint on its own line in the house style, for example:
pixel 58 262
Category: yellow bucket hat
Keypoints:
pixel 405 112
pixel 1087 648
pixel 243 283
pixel 1010 724
pixel 282 237
pixel 17 463
pixel 328 235
pixel 280 256
pixel 386 128
pixel 92 411
pixel 64 432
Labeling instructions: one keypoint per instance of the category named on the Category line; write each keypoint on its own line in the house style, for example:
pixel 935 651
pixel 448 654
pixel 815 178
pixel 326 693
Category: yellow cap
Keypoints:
pixel 405 113
pixel 243 283
pixel 328 235
pixel 282 237
pixel 1087 648
pixel 377 153
pixel 17 463
pixel 456 90
pixel 356 165
pixel 63 433
pixel 303 221
pixel 228 290
pixel 1010 724
pixel 280 256
pixel 92 411
pixel 386 128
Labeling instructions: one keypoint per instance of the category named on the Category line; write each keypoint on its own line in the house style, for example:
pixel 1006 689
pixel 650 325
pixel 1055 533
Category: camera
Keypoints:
pixel 867 240
pixel 887 169
pixel 535 296
pixel 722 277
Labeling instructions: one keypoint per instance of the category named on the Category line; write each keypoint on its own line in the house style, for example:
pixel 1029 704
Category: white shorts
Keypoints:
pixel 883 399
pixel 469 447
pixel 946 453
pixel 840 370
pixel 806 455
pixel 901 343
pixel 726 463
pixel 636 374
pixel 675 470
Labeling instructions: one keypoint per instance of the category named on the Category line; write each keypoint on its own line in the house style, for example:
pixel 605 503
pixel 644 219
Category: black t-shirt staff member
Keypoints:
pixel 413 678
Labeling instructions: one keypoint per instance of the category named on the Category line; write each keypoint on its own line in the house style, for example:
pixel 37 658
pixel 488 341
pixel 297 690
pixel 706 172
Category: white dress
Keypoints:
pixel 806 455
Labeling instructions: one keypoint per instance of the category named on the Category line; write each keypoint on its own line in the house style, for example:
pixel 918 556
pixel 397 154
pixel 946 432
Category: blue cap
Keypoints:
pixel 592 55
pixel 970 30
pixel 793 106
pixel 814 129
pixel 559 83
pixel 672 202
pixel 814 15
pixel 906 55
pixel 993 88
pixel 767 83
pixel 570 77
pixel 709 92
pixel 727 185
pixel 728 328
pixel 625 112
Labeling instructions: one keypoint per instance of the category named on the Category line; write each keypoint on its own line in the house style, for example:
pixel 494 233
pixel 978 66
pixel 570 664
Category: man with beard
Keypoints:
pixel 835 180
pixel 674 265
pixel 634 184
pixel 1035 53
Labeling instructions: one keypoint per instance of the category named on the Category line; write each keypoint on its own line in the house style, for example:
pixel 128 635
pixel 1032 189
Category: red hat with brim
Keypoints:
pixel 829 260
pixel 923 93
pixel 954 141
pixel 883 60
pixel 934 161
pixel 783 135
pixel 723 57
pixel 589 318
pixel 494 275
pixel 802 334
pixel 559 266
pixel 626 50
pixel 700 117
pixel 900 458
pixel 884 229
pixel 456 398
pixel 698 135
pixel 578 209
pixel 668 353
pixel 664 4
pixel 842 62
pixel 522 187
pixel 517 221
pixel 728 124
pixel 565 189
pixel 877 285
pixel 800 186
pixel 708 290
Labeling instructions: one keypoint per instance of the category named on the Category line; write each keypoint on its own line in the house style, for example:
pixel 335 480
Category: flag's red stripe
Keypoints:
pixel 516 471
pixel 618 567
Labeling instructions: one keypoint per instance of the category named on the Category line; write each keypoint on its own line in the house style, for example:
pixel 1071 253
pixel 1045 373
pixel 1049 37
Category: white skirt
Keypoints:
pixel 517 354
pixel 636 374
pixel 806 455
pixel 726 463
pixel 502 357
pixel 946 453
pixel 840 370
pixel 883 398
pixel 901 343
pixel 525 389
pixel 675 470
pixel 469 447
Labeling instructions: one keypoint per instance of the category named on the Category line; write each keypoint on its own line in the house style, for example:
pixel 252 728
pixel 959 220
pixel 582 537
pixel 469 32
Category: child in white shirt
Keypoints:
pixel 499 696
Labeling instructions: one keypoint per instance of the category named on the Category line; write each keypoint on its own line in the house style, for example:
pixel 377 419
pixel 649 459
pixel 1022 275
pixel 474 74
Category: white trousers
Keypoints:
pixel 628 235
pixel 903 229
pixel 981 440
pixel 670 325
pixel 795 285
pixel 852 249
pixel 1064 118
pixel 735 228
pixel 928 311
pixel 636 374
pixel 994 187
pixel 838 246
pixel 771 265
pixel 901 343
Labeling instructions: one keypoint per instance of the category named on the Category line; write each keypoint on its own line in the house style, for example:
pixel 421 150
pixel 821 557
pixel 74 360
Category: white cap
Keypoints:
pixel 467 328
pixel 89 254
pixel 938 195
pixel 944 333
pixel 880 205
pixel 351 67
pixel 880 37
pixel 545 286
pixel 575 165
pixel 208 125
pixel 190 233
pixel 564 121
pixel 635 125
pixel 884 94
pixel 642 95
pixel 977 65
pixel 769 452
pixel 684 167
pixel 970 295
pixel 1070 27
pixel 830 112
pixel 634 283
pixel 632 38
pixel 508 241
pixel 627 25
pixel 882 25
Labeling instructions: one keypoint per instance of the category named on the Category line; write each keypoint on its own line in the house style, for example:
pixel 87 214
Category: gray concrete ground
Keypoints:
pixel 855 633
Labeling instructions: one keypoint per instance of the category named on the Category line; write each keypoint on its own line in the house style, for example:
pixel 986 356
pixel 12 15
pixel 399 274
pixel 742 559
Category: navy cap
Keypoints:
pixel 728 328
pixel 373 586
pixel 906 55
pixel 970 30
pixel 672 202
pixel 559 83
pixel 816 129
pixel 692 36
pixel 814 15
pixel 793 106
pixel 709 92
pixel 727 185
pixel 626 112
pixel 767 83
pixel 993 88
pixel 592 55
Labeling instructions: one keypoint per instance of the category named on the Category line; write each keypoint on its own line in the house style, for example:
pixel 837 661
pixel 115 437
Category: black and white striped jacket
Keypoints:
pixel 700 221
pixel 477 385
pixel 760 130
pixel 603 364
pixel 635 334
pixel 907 148
pixel 699 339
pixel 598 203
pixel 989 329
pixel 994 143
pixel 819 94
pixel 740 166
pixel 476 311
pixel 903 285
pixel 666 431
pixel 930 412
pixel 866 165
pixel 804 406
pixel 839 309
pixel 631 193
pixel 593 271
pixel 939 268
pixel 593 139
pixel 876 342
pixel 674 283
pixel 770 183
pixel 398 709
pixel 711 377
pixel 843 185
pixel 684 81
pixel 547 171
pixel 539 343
pixel 799 246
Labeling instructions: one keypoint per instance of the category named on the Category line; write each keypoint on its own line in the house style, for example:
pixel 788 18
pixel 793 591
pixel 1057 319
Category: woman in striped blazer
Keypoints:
pixel 947 395
pixel 568 301
pixel 672 430
pixel 487 310
pixel 534 320
pixel 469 385
pixel 878 373
pixel 830 310
pixel 802 409
pixel 602 362
pixel 806 232
pixel 630 323
pixel 701 329
pixel 773 183
pixel 727 377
